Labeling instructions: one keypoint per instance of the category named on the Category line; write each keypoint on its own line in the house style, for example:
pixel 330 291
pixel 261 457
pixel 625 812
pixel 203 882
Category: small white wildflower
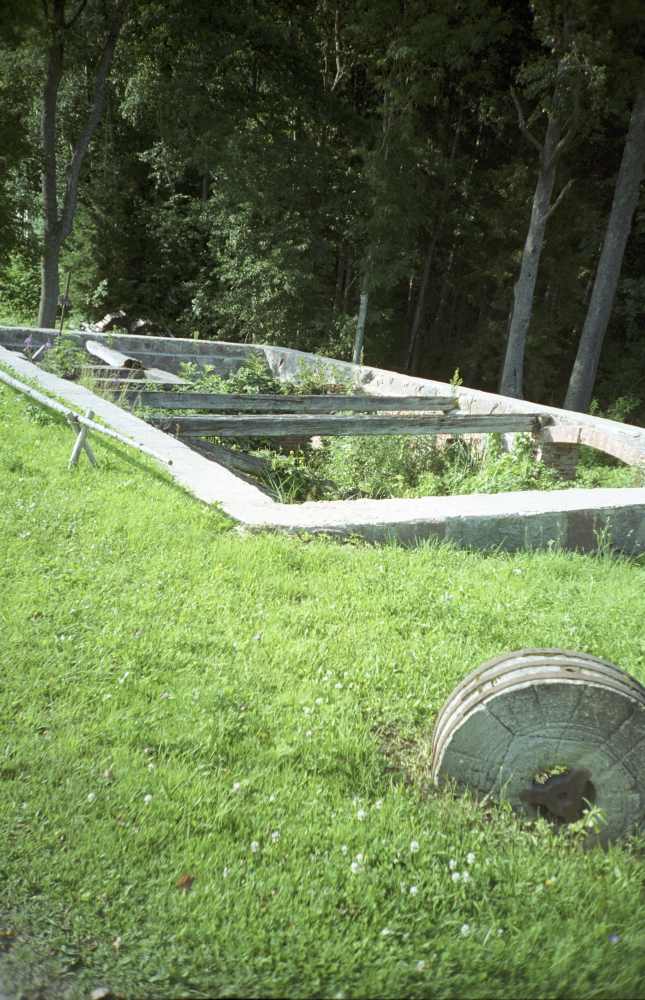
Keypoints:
pixel 378 804
pixel 470 858
pixel 414 890
pixel 275 836
pixel 414 846
pixel 452 864
pixel 361 814
pixel 307 710
pixel 164 695
pixel 236 786
pixel 466 876
pixel 338 685
pixel 500 931
pixel 456 876
pixel 360 858
pixel 255 847
pixel 421 966
pixel 465 930
pixel 271 798
pixel 344 848
pixel 147 799
pixel 225 873
pixel 308 734
pixel 356 867
pixel 319 701
pixel 91 797
pixel 151 767
pixel 386 932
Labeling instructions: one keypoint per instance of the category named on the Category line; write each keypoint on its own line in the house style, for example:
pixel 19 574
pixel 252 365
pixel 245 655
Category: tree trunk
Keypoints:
pixel 421 300
pixel 524 291
pixel 49 284
pixel 58 226
pixel 630 174
pixel 359 339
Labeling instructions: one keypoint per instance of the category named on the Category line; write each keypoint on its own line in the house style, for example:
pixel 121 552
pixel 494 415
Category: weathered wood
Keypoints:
pixel 307 426
pixel 81 443
pixel 115 359
pixel 124 386
pixel 235 460
pixel 106 372
pixel 265 403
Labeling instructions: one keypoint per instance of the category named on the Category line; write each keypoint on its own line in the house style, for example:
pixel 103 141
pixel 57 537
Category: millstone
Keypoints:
pixel 553 732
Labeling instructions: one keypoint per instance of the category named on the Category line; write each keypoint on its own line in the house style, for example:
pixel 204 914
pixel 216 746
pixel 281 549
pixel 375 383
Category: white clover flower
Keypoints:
pixel 466 876
pixel 151 767
pixel 344 848
pixel 319 701
pixel 236 786
pixel 307 710
pixel 452 864
pixel 361 814
pixel 421 966
pixel 470 858
pixel 308 734
pixel 275 836
pixel 356 867
pixel 456 876
pixel 378 804
pixel 255 847
pixel 360 858
pixel 414 846
pixel 465 930
pixel 386 932
pixel 271 798
pixel 91 797
pixel 338 685
pixel 414 890
pixel 147 799
pixel 500 931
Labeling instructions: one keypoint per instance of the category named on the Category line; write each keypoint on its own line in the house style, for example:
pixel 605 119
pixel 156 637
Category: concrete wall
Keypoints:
pixel 574 519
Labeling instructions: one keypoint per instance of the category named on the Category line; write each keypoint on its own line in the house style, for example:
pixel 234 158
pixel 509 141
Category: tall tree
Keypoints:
pixel 558 136
pixel 619 225
pixel 59 221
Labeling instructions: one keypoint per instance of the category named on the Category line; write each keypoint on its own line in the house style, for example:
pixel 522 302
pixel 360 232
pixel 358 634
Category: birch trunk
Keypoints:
pixel 630 175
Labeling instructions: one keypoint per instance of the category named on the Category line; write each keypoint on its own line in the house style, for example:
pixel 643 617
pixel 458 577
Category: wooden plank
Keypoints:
pixel 238 461
pixel 125 386
pixel 265 403
pixel 173 361
pixel 307 426
pixel 115 359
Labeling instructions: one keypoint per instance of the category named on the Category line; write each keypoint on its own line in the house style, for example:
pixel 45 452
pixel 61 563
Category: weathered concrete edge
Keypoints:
pixel 204 479
pixel 573 519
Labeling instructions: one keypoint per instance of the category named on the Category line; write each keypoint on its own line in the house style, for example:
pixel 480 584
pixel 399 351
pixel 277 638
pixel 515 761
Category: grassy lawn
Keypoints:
pixel 214 754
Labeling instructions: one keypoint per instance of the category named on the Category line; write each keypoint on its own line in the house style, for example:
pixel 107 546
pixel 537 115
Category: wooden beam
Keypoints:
pixel 307 426
pixel 115 359
pixel 240 403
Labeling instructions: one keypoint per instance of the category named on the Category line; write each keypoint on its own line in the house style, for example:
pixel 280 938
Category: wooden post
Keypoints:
pixel 81 442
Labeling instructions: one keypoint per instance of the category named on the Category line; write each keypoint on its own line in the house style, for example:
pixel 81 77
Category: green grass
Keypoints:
pixel 173 693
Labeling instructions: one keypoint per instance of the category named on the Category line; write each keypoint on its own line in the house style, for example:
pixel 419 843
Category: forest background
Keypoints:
pixel 458 180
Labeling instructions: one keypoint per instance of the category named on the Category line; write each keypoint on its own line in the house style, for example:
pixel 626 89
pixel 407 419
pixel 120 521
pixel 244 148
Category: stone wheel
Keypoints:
pixel 553 732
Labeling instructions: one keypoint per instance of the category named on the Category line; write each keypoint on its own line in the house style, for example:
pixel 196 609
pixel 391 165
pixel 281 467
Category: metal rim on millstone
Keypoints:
pixel 551 731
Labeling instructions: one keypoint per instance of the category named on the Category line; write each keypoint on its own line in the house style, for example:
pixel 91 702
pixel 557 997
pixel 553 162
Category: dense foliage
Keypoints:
pixel 258 165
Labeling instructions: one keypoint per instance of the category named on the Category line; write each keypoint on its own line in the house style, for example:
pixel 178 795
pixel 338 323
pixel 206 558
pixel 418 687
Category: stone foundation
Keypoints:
pixel 562 458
